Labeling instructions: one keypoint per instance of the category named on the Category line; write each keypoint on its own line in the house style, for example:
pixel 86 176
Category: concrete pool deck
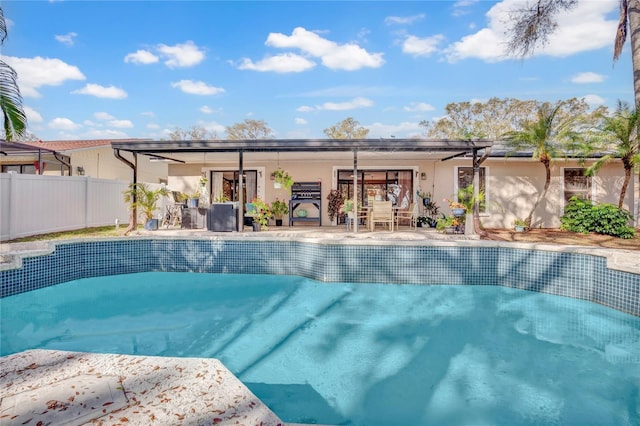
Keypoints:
pixel 60 387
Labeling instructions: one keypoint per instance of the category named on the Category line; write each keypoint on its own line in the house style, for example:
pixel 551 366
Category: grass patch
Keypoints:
pixel 100 231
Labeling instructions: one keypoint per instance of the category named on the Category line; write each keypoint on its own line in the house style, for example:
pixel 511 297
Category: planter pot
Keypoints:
pixel 468 225
pixel 193 202
pixel 277 185
pixel 419 224
pixel 426 201
pixel 151 225
pixel 450 230
pixel 278 222
pixel 458 212
pixel 519 228
pixel 256 226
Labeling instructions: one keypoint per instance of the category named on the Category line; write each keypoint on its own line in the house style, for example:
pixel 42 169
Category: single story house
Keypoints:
pixel 387 168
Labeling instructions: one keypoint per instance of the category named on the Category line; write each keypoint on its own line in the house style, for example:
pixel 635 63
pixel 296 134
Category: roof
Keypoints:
pixel 71 145
pixel 17 149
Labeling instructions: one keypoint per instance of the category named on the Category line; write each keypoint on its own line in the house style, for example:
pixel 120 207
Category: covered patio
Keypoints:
pixel 205 152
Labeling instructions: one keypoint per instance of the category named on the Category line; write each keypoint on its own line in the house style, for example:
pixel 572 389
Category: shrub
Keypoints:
pixel 583 216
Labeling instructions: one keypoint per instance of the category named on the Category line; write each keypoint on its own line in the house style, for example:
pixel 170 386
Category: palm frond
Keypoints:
pixel 621 33
pixel 3 27
pixel 15 119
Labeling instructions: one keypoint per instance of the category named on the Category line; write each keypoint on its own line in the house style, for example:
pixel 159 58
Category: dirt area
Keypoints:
pixel 556 236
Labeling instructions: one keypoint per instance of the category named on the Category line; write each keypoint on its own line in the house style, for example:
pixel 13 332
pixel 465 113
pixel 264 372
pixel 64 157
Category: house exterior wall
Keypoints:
pixel 513 185
pixel 100 163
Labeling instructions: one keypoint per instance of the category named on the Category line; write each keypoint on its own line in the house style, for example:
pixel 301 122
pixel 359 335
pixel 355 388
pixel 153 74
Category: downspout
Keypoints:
pixel 56 155
pixel 240 214
pixel 133 217
pixel 355 190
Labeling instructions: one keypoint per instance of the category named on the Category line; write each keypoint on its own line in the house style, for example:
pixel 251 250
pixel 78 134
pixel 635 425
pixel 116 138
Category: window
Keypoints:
pixel 576 184
pixel 465 178
pixel 26 169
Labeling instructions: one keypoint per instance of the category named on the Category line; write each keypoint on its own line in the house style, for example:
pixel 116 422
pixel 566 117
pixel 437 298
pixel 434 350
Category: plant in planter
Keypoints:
pixel 519 225
pixel 194 198
pixel 143 200
pixel 283 178
pixel 278 209
pixel 421 221
pixel 261 214
pixel 432 211
pixel 335 203
pixel 347 207
pixel 426 196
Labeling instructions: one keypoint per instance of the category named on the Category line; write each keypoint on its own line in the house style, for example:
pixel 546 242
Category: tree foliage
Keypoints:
pixel 14 117
pixel 481 120
pixel 249 129
pixel 620 139
pixel 195 133
pixel 346 129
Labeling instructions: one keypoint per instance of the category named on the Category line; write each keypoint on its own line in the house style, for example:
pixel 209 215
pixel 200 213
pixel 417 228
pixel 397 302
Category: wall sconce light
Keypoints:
pixel 80 170
pixel 260 173
pixel 423 176
pixel 273 176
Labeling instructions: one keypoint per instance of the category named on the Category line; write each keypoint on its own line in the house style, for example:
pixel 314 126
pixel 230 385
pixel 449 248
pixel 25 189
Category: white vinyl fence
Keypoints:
pixel 38 204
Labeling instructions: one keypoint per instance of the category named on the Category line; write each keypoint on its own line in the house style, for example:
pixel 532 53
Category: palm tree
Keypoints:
pixel 15 120
pixel 546 137
pixel 621 129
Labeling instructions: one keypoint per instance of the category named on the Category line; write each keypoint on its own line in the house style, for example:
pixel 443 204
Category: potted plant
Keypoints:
pixel 426 196
pixel 194 198
pixel 347 207
pixel 278 209
pixel 421 220
pixel 282 179
pixel 261 214
pixel 432 211
pixel 144 200
pixel 519 225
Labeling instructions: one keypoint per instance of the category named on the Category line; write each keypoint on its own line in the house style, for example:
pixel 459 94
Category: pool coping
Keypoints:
pixel 11 254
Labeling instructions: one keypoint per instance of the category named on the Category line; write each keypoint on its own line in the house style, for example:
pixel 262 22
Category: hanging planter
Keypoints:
pixel 282 178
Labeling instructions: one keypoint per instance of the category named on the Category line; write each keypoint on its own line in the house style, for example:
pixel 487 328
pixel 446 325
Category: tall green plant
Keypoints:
pixel 14 117
pixel 620 134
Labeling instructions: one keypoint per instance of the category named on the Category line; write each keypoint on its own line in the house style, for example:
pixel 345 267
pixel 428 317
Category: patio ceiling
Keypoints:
pixel 332 149
pixel 26 152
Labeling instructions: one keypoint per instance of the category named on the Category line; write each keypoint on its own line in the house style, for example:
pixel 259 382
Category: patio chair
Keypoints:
pixel 409 215
pixel 382 212
pixel 173 214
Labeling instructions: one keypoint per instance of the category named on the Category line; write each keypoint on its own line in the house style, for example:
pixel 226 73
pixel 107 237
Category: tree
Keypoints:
pixel 15 120
pixel 532 25
pixel 551 134
pixel 195 133
pixel 346 129
pixel 481 120
pixel 621 131
pixel 249 129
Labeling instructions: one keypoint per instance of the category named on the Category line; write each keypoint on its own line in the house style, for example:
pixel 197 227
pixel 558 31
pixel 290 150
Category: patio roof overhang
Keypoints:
pixel 32 153
pixel 181 150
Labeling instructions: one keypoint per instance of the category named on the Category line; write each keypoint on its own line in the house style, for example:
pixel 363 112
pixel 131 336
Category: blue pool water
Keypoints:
pixel 362 354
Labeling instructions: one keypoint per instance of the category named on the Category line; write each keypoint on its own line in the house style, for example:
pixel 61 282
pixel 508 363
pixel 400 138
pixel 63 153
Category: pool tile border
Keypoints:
pixel 566 271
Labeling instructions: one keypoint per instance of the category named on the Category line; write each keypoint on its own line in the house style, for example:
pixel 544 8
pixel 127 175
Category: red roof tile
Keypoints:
pixel 77 144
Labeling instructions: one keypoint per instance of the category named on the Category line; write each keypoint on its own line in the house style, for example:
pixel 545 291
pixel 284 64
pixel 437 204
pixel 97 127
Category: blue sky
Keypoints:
pixel 118 69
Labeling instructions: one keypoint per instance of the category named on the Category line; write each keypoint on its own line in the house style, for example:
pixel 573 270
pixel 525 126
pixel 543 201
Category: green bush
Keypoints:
pixel 581 215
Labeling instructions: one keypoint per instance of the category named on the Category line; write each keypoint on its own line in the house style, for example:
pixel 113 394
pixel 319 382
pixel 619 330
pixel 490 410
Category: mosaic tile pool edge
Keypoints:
pixel 568 274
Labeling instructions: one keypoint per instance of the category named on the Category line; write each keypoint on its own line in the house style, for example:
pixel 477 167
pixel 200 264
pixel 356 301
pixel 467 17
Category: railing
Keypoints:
pixel 38 204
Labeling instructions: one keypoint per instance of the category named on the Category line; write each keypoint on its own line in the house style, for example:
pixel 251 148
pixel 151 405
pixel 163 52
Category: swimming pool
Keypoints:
pixel 361 354
pixel 575 275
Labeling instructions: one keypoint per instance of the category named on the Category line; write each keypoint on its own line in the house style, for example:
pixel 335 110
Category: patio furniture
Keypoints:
pixel 309 193
pixel 382 212
pixel 221 217
pixel 409 215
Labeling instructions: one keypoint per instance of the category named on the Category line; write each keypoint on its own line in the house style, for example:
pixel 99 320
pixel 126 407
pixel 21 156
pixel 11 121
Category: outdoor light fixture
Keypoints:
pixel 80 170
pixel 423 176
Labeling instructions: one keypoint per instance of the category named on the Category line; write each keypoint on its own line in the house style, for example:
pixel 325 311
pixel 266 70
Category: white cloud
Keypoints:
pixel 418 107
pixel 148 114
pixel 141 57
pixel 347 57
pixel 594 100
pixel 212 126
pixel 205 109
pixel 301 121
pixel 344 106
pixel 304 108
pixel 103 116
pixel 60 123
pixel 287 62
pixel 98 91
pixel 197 87
pixel 422 46
pixel 182 55
pixel 403 20
pixel 587 77
pixel 459 7
pixel 90 123
pixel 33 116
pixel 36 72
pixel 105 134
pixel 122 124
pixel 66 39
pixel 583 28
pixel 153 126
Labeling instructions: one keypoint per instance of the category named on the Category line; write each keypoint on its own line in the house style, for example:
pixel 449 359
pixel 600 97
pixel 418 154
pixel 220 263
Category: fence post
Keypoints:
pixel 86 200
pixel 13 207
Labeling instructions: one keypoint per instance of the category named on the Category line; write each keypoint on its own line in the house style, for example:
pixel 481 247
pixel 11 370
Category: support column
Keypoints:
pixel 240 215
pixel 355 190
